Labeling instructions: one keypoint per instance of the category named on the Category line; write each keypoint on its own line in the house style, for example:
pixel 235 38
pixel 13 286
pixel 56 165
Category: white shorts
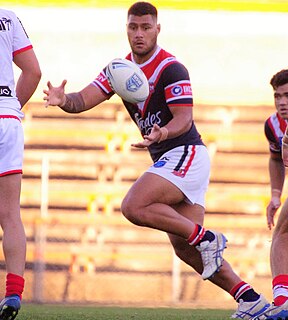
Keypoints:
pixel 188 168
pixel 11 145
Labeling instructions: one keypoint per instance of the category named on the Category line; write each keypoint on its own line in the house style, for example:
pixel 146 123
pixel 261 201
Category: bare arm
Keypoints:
pixel 75 102
pixel 276 171
pixel 29 77
pixel 285 148
pixel 277 177
pixel 181 122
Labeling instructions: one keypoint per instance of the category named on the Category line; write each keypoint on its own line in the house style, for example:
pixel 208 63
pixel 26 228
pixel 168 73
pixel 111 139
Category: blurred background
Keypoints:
pixel 77 168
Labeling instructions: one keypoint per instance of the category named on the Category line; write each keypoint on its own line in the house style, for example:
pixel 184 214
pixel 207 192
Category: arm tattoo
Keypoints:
pixel 74 103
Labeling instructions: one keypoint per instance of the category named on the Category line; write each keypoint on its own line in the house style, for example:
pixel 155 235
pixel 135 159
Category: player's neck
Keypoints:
pixel 140 59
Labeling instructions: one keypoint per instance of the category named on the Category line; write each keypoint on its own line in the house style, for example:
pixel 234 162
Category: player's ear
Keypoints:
pixel 158 27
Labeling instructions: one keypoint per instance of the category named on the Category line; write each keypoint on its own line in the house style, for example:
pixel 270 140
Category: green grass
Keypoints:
pixel 233 5
pixel 56 312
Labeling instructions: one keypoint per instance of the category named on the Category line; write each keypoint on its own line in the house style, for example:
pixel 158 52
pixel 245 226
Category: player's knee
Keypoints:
pixel 131 212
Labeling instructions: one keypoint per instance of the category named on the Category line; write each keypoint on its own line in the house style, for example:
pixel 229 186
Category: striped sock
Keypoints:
pixel 197 235
pixel 244 292
pixel 280 289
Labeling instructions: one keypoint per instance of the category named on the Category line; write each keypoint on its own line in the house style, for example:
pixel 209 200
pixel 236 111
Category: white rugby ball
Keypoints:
pixel 127 80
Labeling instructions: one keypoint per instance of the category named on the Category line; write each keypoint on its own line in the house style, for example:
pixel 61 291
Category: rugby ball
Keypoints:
pixel 127 80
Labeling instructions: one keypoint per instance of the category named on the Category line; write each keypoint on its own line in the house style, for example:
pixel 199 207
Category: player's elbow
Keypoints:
pixel 187 124
pixel 31 77
pixel 36 74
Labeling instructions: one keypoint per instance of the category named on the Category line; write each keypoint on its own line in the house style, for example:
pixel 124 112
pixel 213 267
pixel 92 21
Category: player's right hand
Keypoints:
pixel 271 210
pixel 55 96
pixel 153 137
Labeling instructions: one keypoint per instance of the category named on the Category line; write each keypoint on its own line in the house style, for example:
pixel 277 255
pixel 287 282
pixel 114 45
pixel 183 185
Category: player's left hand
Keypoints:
pixel 154 136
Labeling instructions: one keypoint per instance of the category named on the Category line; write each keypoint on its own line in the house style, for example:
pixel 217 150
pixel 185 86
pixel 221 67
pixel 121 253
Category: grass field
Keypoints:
pixel 56 312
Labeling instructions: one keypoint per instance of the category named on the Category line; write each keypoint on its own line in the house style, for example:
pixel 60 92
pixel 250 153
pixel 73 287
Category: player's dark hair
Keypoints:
pixel 142 8
pixel 279 79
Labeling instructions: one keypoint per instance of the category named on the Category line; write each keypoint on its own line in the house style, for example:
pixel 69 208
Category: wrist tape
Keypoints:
pixel 164 134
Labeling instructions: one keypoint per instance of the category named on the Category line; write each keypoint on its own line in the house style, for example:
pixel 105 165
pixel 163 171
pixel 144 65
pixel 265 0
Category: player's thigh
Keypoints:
pixel 10 188
pixel 151 188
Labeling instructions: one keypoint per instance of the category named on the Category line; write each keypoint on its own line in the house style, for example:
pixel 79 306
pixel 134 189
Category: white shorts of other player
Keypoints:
pixel 11 145
pixel 187 167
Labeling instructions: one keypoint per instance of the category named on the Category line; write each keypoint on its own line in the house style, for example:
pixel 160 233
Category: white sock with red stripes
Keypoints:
pixel 280 289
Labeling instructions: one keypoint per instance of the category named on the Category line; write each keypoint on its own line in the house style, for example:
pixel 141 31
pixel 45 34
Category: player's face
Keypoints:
pixel 142 35
pixel 281 100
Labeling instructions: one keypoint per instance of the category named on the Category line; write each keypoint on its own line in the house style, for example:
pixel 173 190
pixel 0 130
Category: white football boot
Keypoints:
pixel 251 310
pixel 211 254
pixel 274 313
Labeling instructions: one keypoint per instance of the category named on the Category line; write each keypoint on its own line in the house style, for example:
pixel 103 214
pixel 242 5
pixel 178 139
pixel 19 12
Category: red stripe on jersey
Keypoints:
pixel 102 82
pixel 178 90
pixel 153 70
pixel 152 64
pixel 9 116
pixel 282 123
pixel 153 80
pixel 180 105
pixel 10 172
pixel 22 50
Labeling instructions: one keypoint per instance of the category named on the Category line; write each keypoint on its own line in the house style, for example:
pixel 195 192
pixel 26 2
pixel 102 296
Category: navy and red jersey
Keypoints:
pixel 275 127
pixel 170 86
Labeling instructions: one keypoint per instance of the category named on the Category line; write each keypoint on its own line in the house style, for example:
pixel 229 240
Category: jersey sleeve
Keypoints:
pixel 21 41
pixel 274 143
pixel 102 82
pixel 177 86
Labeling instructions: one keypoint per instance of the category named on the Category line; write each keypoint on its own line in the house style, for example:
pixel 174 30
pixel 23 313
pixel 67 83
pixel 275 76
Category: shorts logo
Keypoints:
pixel 159 164
pixel 5 91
